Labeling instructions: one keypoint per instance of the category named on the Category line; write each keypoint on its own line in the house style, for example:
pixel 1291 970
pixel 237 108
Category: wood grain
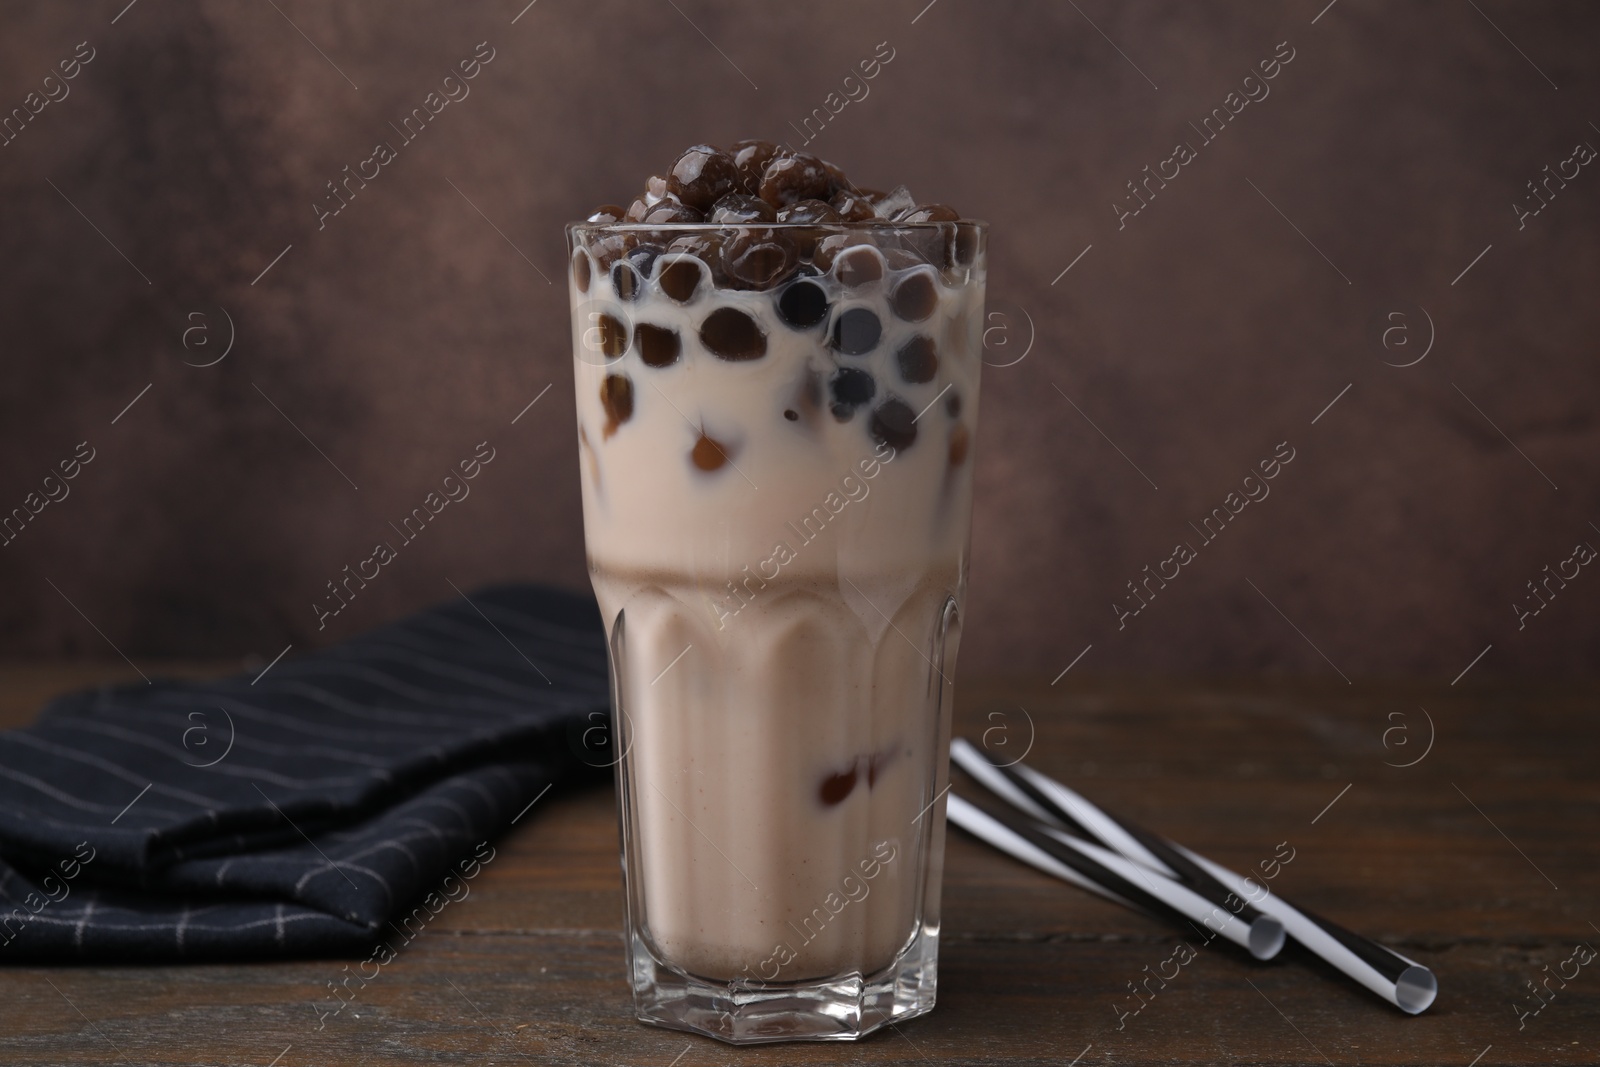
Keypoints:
pixel 1455 861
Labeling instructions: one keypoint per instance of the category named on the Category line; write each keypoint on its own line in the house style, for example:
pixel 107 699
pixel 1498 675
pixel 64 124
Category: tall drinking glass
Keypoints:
pixel 775 429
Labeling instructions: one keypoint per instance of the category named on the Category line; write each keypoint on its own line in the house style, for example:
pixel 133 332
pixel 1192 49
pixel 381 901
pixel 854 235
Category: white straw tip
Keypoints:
pixel 1415 989
pixel 1267 937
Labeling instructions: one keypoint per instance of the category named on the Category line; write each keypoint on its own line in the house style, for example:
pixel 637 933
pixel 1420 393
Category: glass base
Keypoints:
pixel 843 1008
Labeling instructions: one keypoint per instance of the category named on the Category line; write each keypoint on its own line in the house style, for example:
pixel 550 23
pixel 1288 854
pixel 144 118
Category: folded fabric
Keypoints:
pixel 295 812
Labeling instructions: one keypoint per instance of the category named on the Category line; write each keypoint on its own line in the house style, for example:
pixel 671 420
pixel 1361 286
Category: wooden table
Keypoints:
pixel 1478 860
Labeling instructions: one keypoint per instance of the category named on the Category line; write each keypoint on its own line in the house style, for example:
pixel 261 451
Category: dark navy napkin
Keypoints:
pixel 300 811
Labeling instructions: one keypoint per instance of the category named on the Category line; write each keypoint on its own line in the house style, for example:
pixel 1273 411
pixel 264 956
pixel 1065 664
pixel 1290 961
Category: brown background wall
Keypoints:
pixel 1197 337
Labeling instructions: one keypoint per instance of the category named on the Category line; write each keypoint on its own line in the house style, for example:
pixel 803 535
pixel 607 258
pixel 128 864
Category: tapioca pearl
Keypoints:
pixel 616 399
pixel 709 454
pixel 837 786
pixel 858 266
pixel 659 346
pixel 903 259
pixel 680 277
pixel 702 176
pixel 931 213
pixel 829 248
pixel 837 181
pixel 610 248
pixel 758 258
pixel 918 359
pixel 582 269
pixel 750 158
pixel 668 211
pixel 655 189
pixel 731 334
pixel 894 424
pixel 626 280
pixel 644 256
pixel 606 334
pixel 960 440
pixel 802 304
pixel 607 214
pixel 792 177
pixel 852 207
pixel 849 388
pixel 814 212
pixel 738 209
pixel 915 296
pixel 856 331
pixel 707 248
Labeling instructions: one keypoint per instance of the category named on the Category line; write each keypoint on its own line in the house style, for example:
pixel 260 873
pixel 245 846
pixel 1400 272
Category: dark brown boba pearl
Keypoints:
pixel 915 297
pixel 608 249
pixel 894 424
pixel 636 210
pixel 903 259
pixel 608 335
pixel 853 207
pixel 952 404
pixel 850 388
pixel 626 280
pixel 737 209
pixel 708 453
pixel 856 332
pixel 855 267
pixel 837 182
pixel 751 159
pixel 758 258
pixel 680 278
pixel 669 211
pixel 960 440
pixel 932 213
pixel 580 269
pixel 918 359
pixel 813 212
pixel 803 304
pixel 607 213
pixel 655 187
pixel 616 397
pixel 794 177
pixel 706 247
pixel 791 414
pixel 731 334
pixel 836 787
pixel 829 247
pixel 702 176
pixel 658 346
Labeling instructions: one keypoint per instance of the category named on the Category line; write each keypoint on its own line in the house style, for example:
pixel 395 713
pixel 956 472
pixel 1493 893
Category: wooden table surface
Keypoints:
pixel 1478 860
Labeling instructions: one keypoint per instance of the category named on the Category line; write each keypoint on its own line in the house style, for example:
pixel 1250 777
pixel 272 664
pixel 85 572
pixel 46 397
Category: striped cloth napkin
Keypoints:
pixel 297 814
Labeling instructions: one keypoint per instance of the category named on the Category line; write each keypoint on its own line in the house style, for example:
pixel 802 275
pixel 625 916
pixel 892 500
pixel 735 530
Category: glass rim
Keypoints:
pixel 863 226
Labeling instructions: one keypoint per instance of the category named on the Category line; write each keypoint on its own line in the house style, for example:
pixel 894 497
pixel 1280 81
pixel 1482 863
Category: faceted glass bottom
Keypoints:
pixel 840 1008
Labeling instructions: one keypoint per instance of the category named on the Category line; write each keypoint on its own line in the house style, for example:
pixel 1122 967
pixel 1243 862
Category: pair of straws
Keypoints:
pixel 1060 832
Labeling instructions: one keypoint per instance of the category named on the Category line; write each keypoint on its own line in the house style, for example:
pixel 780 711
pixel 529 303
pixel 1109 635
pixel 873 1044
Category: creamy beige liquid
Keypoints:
pixel 782 614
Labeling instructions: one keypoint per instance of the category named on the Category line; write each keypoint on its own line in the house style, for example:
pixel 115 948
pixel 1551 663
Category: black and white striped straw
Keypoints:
pixel 1066 813
pixel 1115 876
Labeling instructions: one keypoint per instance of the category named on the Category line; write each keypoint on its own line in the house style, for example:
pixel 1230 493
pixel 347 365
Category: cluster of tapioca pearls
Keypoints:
pixel 850 331
pixel 754 183
pixel 810 199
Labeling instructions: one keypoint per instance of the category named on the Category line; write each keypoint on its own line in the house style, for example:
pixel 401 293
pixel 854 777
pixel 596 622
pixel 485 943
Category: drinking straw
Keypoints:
pixel 1112 875
pixel 1400 980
